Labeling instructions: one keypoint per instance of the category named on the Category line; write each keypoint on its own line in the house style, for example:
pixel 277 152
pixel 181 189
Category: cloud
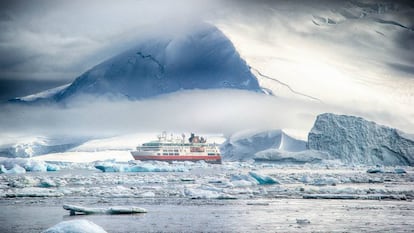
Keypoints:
pixel 209 111
pixel 354 62
pixel 60 40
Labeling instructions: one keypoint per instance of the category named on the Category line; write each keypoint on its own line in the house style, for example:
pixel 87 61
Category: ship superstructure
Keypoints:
pixel 170 148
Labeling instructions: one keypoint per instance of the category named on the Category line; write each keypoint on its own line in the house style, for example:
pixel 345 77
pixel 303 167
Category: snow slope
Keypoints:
pixel 244 145
pixel 355 140
pixel 200 58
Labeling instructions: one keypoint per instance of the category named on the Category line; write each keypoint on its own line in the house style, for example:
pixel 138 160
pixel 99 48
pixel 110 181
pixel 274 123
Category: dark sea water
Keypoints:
pixel 187 215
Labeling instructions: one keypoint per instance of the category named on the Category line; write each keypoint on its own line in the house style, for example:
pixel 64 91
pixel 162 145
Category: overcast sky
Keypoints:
pixel 355 55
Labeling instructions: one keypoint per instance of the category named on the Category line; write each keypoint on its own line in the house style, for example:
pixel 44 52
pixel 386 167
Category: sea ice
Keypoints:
pixel 75 226
pixel 109 166
pixel 104 210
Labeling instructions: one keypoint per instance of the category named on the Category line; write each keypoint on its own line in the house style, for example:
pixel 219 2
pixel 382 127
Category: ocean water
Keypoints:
pixel 183 215
pixel 215 198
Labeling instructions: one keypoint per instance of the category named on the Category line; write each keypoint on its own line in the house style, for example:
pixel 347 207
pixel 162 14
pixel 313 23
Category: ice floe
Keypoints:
pixel 110 166
pixel 75 226
pixel 74 209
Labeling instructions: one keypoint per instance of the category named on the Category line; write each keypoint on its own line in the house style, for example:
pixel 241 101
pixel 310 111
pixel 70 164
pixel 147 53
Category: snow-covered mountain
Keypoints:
pixel 199 58
pixel 355 140
pixel 244 145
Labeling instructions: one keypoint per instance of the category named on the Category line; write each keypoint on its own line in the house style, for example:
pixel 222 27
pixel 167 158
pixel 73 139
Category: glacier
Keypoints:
pixel 201 57
pixel 355 140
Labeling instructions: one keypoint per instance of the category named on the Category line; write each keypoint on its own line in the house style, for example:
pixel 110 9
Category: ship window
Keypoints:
pixel 165 153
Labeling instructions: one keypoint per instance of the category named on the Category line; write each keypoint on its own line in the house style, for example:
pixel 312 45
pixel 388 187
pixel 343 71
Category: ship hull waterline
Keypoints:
pixel 193 158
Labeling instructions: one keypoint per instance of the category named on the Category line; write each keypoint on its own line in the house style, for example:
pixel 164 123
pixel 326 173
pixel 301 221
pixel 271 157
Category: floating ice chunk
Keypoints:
pixel 375 170
pixel 34 192
pixel 142 167
pixel 105 210
pixel 263 179
pixel 52 167
pixel 325 181
pixel 148 194
pixel 2 169
pixel 75 226
pixel 399 171
pixel 47 183
pixel 35 166
pixel 206 192
pixel 243 180
pixel 302 221
pixel 15 170
pixel 29 165
pixel 306 179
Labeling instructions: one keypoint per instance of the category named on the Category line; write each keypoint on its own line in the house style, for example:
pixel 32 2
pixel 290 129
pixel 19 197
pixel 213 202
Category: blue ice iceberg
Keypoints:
pixel 263 179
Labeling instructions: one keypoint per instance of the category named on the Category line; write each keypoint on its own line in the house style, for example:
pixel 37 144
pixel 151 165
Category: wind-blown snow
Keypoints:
pixel 43 95
pixel 355 140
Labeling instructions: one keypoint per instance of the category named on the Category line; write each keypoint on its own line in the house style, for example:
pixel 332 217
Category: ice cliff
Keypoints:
pixel 201 57
pixel 355 140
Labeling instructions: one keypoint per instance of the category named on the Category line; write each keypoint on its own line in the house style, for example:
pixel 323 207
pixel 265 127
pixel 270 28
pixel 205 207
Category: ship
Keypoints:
pixel 171 149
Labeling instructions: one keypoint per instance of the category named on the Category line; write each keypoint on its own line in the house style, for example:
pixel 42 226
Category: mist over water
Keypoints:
pixel 223 111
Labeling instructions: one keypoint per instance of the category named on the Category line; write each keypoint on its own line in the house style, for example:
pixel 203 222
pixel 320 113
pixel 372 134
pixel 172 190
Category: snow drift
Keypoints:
pixel 355 140
pixel 244 145
pixel 200 58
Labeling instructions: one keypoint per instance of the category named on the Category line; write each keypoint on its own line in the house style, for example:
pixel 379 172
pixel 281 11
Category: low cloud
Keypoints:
pixel 208 111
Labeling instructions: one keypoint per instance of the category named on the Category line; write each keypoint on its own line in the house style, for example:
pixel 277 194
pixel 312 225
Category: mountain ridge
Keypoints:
pixel 200 58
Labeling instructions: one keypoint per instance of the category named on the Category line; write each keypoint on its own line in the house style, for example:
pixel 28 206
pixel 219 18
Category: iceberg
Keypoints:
pixel 15 170
pixel 243 146
pixel 263 179
pixel 15 165
pixel 75 226
pixel 354 140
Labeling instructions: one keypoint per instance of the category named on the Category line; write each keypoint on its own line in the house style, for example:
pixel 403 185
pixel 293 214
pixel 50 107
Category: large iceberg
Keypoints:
pixel 355 140
pixel 201 57
pixel 244 145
